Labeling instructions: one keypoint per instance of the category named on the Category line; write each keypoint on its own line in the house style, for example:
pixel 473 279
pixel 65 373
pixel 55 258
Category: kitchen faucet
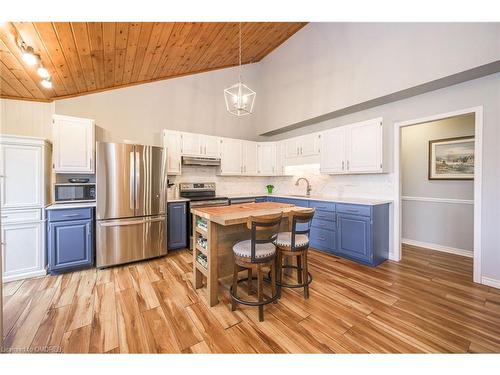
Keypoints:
pixel 308 184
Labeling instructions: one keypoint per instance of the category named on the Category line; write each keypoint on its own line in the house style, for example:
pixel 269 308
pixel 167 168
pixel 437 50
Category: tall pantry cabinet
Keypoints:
pixel 25 164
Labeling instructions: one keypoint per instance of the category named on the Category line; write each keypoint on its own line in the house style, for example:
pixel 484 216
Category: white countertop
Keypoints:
pixel 178 199
pixel 350 200
pixel 63 206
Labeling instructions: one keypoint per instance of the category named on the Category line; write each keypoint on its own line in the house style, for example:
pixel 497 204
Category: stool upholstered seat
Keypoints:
pixel 262 250
pixel 285 239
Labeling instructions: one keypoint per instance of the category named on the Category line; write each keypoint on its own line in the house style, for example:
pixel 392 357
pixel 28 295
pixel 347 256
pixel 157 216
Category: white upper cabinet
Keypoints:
pixel 74 144
pixel 309 144
pixel 249 159
pixel 364 147
pixel 333 151
pixel 191 145
pixel 200 145
pixel 355 148
pixel 173 142
pixel 266 159
pixel 302 147
pixel 22 172
pixel 210 146
pixel 231 157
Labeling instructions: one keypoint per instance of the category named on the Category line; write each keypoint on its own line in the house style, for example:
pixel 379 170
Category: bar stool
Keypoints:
pixel 295 244
pixel 253 254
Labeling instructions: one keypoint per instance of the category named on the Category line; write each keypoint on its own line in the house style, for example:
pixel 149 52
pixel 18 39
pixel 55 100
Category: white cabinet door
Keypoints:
pixel 211 146
pixel 173 142
pixel 249 158
pixel 266 158
pixel 74 144
pixel 291 148
pixel 364 147
pixel 231 157
pixel 191 144
pixel 333 151
pixel 23 252
pixel 309 144
pixel 21 176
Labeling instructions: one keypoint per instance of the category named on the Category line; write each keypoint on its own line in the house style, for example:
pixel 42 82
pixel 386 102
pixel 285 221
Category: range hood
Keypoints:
pixel 199 160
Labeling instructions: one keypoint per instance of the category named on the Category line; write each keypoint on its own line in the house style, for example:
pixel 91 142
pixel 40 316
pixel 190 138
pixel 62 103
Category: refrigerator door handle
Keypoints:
pixel 137 179
pixel 132 180
pixel 154 220
pixel 120 223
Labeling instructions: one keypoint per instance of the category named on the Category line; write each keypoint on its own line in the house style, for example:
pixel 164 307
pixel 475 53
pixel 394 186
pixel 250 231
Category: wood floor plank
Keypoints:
pixel 77 340
pixel 425 303
pixel 104 334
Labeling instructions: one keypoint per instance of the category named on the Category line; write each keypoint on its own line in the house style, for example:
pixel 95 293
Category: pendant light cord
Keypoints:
pixel 240 52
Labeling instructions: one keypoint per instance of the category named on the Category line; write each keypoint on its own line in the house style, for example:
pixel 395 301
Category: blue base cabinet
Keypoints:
pixel 70 239
pixel 354 231
pixel 177 225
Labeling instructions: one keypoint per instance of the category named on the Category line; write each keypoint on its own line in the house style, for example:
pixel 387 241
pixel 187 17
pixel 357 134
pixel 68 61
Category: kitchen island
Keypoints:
pixel 216 230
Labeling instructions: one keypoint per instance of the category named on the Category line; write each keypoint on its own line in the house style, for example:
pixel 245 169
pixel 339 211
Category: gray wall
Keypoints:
pixel 439 223
pixel 329 66
pixel 194 103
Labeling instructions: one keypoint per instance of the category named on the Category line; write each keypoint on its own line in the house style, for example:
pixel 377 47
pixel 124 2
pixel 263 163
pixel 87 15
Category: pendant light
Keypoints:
pixel 239 97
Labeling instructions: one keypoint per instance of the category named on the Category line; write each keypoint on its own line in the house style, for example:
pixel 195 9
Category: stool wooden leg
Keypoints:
pixel 235 286
pixel 306 275
pixel 279 271
pixel 260 292
pixel 273 279
pixel 299 269
pixel 250 282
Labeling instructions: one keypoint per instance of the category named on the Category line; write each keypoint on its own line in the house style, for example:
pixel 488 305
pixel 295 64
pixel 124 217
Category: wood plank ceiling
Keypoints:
pixel 86 57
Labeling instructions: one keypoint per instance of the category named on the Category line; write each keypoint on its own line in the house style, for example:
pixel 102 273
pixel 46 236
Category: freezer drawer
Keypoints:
pixel 129 240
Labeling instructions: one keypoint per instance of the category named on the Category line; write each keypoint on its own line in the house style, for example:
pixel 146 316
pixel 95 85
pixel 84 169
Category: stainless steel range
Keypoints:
pixel 200 194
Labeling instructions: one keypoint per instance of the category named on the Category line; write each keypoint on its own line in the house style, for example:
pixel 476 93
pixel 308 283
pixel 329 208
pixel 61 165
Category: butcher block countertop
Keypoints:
pixel 239 213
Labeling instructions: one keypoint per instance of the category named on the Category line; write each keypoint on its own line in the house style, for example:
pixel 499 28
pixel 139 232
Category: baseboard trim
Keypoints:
pixel 444 249
pixel 27 275
pixel 494 283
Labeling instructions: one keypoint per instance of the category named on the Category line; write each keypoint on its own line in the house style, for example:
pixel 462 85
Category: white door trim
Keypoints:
pixel 478 151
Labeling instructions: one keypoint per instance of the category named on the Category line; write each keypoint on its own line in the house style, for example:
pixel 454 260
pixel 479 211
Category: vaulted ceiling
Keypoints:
pixel 86 57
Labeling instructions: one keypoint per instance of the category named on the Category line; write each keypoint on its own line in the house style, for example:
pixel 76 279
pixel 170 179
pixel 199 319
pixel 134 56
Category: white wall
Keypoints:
pixel 20 117
pixel 326 67
pixel 438 222
pixel 193 103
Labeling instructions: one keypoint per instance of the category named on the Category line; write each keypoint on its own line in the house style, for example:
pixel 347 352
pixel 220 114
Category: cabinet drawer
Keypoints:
pixel 324 206
pixel 354 209
pixel 21 216
pixel 322 239
pixel 70 214
pixel 324 215
pixel 323 224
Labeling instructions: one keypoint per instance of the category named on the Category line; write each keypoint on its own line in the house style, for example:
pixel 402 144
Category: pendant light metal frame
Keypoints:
pixel 239 97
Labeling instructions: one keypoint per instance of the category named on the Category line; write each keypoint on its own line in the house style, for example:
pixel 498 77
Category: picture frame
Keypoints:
pixel 451 159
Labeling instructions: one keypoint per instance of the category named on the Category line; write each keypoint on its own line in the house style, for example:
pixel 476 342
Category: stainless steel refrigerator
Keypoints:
pixel 131 182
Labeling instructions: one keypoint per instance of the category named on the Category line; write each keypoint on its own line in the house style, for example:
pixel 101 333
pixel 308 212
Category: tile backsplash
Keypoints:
pixel 362 186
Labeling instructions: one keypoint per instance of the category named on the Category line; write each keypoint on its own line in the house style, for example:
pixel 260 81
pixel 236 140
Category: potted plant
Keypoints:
pixel 270 189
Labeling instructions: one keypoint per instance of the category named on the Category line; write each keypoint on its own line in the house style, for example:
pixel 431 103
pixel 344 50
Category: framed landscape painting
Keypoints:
pixel 451 159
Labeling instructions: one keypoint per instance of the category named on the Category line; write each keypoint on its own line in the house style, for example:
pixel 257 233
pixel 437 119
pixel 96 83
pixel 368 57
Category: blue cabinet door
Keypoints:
pixel 354 237
pixel 177 225
pixel 70 244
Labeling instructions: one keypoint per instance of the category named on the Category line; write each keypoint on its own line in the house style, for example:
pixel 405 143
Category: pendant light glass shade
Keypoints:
pixel 239 97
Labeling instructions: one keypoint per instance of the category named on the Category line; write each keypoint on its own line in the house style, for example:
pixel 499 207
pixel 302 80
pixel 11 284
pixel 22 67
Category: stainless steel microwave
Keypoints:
pixel 74 192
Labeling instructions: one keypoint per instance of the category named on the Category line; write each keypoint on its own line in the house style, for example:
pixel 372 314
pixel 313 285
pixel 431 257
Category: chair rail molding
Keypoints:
pixel 437 200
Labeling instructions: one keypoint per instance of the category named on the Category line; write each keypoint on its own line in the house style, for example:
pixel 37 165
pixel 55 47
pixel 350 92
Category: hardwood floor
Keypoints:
pixel 425 303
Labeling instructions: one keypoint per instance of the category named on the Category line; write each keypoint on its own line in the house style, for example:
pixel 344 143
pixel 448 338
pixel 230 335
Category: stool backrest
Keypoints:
pixel 304 218
pixel 264 230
